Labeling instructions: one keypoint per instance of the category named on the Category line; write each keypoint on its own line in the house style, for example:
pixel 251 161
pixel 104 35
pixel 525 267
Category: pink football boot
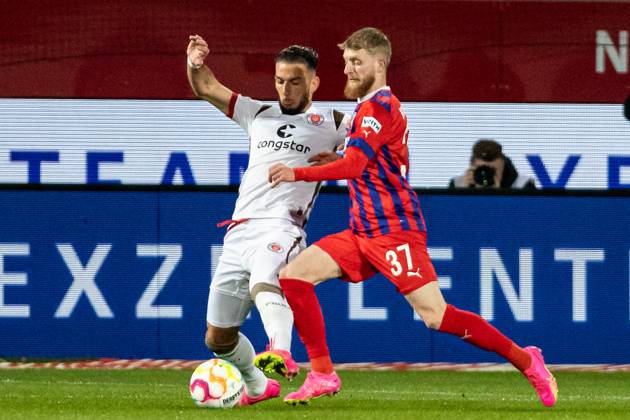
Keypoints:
pixel 271 391
pixel 316 385
pixel 541 379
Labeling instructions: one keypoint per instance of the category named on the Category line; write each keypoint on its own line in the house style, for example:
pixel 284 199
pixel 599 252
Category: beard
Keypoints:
pixel 301 107
pixel 354 90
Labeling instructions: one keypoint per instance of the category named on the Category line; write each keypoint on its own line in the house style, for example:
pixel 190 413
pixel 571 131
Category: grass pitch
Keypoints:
pixel 163 394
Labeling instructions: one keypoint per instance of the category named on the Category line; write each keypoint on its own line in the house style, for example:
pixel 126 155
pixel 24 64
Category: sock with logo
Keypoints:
pixel 277 318
pixel 243 358
pixel 477 331
pixel 309 322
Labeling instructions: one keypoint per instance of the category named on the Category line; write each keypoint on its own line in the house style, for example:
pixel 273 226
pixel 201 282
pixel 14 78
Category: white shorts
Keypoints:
pixel 253 252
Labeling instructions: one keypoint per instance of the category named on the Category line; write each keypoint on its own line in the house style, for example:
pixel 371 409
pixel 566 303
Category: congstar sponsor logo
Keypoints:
pixel 280 144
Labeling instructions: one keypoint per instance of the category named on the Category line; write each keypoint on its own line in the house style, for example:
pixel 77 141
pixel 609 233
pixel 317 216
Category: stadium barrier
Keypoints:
pixel 123 272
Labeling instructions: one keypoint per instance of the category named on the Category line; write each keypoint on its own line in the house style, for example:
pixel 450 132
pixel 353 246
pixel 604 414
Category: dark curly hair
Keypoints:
pixel 299 54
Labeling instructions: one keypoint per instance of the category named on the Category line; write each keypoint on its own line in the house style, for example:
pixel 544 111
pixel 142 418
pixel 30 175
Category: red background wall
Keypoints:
pixel 512 51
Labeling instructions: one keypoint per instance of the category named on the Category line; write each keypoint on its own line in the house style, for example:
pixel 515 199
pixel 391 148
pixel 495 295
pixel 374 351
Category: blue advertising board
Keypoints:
pixel 125 273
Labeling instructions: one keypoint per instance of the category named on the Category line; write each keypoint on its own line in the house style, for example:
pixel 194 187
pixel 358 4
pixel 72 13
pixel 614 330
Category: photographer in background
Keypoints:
pixel 490 168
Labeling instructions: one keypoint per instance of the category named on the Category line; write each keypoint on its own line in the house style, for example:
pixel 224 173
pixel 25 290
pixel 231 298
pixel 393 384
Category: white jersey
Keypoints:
pixel 280 138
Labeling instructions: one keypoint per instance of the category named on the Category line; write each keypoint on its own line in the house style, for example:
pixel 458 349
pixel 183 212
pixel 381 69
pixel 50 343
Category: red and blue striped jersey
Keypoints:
pixel 375 162
pixel 382 201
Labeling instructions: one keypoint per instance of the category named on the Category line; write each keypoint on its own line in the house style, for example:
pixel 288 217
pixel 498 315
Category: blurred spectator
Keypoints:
pixel 490 168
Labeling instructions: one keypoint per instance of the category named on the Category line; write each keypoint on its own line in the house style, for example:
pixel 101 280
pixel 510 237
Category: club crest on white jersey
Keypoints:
pixel 275 247
pixel 315 119
pixel 280 138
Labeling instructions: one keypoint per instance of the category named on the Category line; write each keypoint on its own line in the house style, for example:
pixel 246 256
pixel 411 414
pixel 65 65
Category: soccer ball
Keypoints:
pixel 216 383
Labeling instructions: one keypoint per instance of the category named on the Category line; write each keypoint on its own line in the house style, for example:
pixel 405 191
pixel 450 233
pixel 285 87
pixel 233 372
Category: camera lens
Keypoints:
pixel 484 176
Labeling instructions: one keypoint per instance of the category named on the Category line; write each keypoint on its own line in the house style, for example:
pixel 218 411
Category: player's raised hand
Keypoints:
pixel 280 173
pixel 323 158
pixel 197 50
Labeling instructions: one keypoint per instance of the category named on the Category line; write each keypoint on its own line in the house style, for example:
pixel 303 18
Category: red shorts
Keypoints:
pixel 402 257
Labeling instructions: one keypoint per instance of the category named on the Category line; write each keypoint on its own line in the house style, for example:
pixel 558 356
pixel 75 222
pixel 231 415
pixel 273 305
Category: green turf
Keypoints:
pixel 163 394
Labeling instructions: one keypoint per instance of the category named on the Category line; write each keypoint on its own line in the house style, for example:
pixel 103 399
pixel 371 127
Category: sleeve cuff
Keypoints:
pixel 231 105
pixel 300 174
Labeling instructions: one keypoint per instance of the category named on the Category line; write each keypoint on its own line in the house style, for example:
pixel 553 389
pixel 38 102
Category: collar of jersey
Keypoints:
pixel 311 109
pixel 369 95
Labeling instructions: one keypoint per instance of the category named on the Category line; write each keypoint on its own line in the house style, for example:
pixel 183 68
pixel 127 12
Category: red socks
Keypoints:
pixel 477 331
pixel 309 322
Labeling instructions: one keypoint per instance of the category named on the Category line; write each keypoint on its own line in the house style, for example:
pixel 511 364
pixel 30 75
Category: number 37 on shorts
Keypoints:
pixel 402 257
pixel 406 260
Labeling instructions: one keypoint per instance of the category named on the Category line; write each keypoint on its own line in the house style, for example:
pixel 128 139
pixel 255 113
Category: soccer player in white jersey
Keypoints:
pixel 266 229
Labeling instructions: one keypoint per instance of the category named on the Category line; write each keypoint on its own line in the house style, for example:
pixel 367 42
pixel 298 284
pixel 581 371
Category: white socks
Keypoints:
pixel 243 358
pixel 277 318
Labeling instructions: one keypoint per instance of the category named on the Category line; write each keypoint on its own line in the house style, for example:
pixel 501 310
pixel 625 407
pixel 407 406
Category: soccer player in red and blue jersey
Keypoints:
pixel 387 233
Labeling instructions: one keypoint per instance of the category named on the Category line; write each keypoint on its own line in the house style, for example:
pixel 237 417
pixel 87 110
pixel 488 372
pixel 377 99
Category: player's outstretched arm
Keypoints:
pixel 351 166
pixel 202 81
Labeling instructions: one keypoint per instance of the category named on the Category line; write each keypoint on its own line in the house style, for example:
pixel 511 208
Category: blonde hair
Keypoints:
pixel 370 39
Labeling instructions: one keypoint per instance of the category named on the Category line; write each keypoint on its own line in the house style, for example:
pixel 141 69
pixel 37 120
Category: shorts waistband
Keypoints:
pixel 230 223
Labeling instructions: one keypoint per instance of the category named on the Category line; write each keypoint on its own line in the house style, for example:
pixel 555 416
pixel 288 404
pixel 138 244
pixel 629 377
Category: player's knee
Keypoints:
pixel 221 340
pixel 432 317
pixel 432 322
pixel 264 287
